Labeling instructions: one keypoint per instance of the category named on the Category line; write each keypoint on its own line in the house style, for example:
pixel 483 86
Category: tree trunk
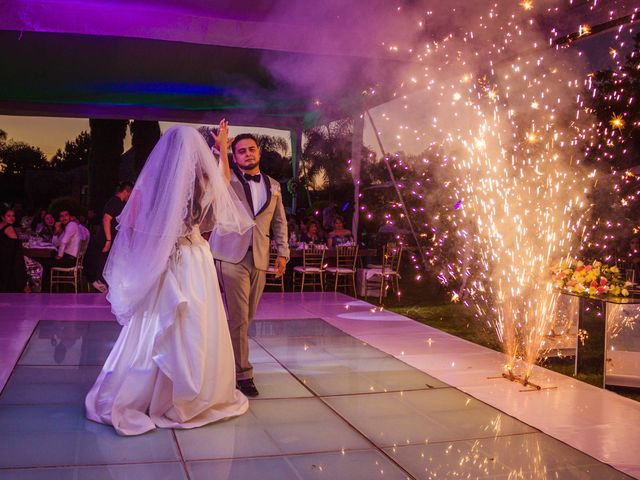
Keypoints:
pixel 107 146
pixel 144 136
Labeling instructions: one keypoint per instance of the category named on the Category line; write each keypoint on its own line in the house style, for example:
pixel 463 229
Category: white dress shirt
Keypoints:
pixel 69 241
pixel 258 193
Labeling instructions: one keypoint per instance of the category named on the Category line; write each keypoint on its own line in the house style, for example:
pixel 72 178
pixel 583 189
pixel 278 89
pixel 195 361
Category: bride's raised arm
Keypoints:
pixel 222 144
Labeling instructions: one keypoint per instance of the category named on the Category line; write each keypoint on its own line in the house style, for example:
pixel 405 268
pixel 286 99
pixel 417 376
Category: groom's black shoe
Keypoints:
pixel 247 387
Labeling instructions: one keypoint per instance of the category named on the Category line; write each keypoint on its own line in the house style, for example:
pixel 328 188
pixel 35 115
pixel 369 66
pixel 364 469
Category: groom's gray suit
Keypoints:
pixel 242 261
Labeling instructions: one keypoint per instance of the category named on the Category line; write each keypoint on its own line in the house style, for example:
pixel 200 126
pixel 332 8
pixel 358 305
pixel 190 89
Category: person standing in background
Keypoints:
pixel 98 250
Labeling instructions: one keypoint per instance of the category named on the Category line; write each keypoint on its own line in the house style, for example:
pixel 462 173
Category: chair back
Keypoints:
pixel 81 251
pixel 273 255
pixel 313 257
pixel 271 279
pixel 346 257
pixel 391 256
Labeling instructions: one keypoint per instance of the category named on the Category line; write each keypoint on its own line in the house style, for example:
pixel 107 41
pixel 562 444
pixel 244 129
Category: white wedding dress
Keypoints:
pixel 172 365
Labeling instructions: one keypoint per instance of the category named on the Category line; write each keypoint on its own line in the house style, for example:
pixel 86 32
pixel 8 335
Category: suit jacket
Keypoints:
pixel 271 218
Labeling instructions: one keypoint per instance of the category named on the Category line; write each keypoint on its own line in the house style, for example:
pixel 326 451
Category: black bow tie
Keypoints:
pixel 248 177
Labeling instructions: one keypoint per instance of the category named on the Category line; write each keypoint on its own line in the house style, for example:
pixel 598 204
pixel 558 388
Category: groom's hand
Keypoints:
pixel 281 264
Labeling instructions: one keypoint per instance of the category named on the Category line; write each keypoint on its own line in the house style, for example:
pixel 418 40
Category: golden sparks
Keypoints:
pixel 584 30
pixel 617 121
pixel 527 4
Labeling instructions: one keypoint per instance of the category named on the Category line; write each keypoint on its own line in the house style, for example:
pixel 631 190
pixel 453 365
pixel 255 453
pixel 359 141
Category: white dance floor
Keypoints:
pixel 347 392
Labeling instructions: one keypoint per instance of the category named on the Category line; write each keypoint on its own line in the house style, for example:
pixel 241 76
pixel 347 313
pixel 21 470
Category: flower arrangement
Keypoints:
pixel 595 279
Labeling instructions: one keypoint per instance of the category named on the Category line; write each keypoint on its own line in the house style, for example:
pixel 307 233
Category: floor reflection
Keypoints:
pixel 331 407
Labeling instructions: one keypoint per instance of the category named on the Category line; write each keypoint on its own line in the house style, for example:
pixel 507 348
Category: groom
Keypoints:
pixel 242 262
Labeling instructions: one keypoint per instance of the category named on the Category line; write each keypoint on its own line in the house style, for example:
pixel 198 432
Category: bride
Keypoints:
pixel 172 365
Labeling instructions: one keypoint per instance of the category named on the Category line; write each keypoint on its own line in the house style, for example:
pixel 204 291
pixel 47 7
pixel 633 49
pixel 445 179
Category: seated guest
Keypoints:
pixel 38 219
pixel 46 229
pixel 313 233
pixel 68 242
pixel 294 231
pixel 13 272
pixel 339 235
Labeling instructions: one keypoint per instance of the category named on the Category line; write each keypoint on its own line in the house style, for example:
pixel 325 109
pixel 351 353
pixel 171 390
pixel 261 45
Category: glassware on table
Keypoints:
pixel 293 240
pixel 630 275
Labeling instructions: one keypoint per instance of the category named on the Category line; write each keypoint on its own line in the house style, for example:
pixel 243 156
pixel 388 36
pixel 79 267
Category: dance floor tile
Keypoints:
pixel 273 381
pixel 530 456
pixel 70 343
pixel 364 464
pixel 46 435
pixel 299 327
pixel 257 354
pixel 272 427
pixel 48 385
pixel 368 375
pixel 147 471
pixel 310 349
pixel 416 417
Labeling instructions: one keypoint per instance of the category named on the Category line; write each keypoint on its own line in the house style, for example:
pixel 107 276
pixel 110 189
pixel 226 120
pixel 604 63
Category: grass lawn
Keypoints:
pixel 427 303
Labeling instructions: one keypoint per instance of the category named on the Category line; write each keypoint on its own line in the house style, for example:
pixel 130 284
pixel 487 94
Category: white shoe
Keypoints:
pixel 101 287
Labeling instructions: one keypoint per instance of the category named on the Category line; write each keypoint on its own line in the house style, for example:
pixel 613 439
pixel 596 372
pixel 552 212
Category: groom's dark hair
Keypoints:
pixel 242 136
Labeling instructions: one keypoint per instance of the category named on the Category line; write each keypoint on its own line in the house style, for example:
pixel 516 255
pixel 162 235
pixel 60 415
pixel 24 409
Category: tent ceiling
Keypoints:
pixel 80 75
pixel 275 63
pixel 255 63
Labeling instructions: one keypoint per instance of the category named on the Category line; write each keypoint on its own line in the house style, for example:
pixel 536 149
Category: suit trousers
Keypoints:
pixel 242 285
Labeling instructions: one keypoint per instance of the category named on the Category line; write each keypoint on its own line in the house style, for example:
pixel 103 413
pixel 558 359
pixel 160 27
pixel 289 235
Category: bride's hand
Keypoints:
pixel 222 138
pixel 222 144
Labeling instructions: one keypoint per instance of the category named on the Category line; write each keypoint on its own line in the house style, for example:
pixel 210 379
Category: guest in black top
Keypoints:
pixel 13 272
pixel 98 250
pixel 46 229
pixel 313 233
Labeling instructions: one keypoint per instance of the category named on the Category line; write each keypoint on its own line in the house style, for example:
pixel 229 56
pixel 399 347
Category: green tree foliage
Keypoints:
pixel 76 153
pixel 326 168
pixel 107 146
pixel 616 97
pixel 326 156
pixel 380 205
pixel 613 151
pixel 17 159
pixel 274 160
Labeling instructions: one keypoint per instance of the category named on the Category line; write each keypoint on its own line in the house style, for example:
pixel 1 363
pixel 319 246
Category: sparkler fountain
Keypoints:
pixel 511 123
